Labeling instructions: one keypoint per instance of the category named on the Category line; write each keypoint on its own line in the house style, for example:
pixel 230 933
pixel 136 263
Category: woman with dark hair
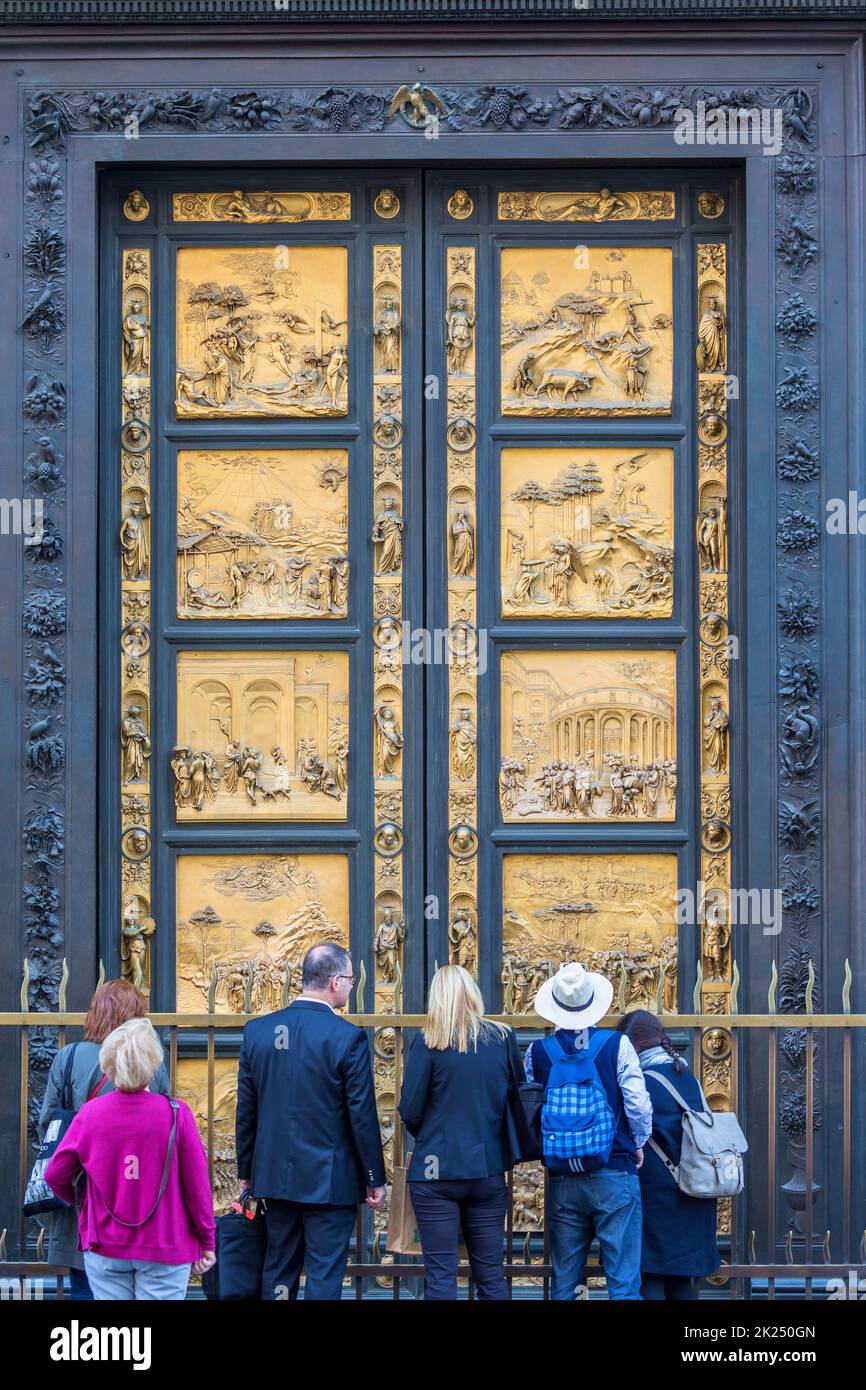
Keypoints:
pixel 679 1232
pixel 112 1004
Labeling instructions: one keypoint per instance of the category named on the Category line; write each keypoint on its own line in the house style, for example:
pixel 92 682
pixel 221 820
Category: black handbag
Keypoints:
pixel 38 1196
pixel 525 1099
pixel 241 1243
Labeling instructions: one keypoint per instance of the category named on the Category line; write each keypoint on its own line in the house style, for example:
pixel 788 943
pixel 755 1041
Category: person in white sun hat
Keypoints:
pixel 596 1118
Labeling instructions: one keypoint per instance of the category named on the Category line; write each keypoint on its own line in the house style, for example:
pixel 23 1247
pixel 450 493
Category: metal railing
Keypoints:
pixel 764 1264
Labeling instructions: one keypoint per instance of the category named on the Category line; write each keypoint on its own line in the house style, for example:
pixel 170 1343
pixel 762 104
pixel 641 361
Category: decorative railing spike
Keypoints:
pixel 398 988
pixel 212 988
pixel 287 984
pixel 825 1248
pixel 750 1249
pixel 810 988
pixel 25 986
pixel 621 993
pixel 846 988
pixel 61 992
pixel 789 1248
pixel 101 977
pixel 660 992
pixel 360 987
pixel 699 984
pixel 735 989
pixel 508 992
pixel 771 992
pixel 248 989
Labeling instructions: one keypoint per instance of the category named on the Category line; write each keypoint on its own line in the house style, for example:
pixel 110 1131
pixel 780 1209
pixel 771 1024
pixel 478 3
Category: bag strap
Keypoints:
pixel 133 1225
pixel 663 1081
pixel 98 1087
pixel 671 1167
pixel 67 1073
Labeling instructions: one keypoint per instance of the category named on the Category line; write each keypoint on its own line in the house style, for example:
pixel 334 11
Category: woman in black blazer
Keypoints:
pixel 455 1103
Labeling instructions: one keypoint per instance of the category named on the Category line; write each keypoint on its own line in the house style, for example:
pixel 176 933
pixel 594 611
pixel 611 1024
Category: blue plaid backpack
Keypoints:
pixel 577 1123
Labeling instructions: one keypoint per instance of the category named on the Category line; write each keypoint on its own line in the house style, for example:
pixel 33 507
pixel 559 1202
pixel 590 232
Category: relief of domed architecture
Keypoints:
pixel 588 735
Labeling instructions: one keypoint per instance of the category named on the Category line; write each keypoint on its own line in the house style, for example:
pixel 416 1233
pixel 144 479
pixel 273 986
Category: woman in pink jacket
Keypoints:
pixel 146 1213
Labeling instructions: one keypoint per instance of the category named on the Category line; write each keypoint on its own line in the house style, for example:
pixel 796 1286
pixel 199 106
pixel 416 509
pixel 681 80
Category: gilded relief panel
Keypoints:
pixel 603 206
pixel 238 206
pixel 245 922
pixel 587 533
pixel 262 534
pixel 588 736
pixel 615 913
pixel 192 1086
pixel 261 735
pixel 262 331
pixel 586 332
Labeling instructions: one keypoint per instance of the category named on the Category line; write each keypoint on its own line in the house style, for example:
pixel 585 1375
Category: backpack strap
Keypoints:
pixel 672 1090
pixel 555 1051
pixel 599 1040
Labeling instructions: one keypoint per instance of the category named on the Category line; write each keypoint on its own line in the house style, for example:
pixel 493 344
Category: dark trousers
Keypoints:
pixel 312 1238
pixel 676 1287
pixel 477 1207
pixel 78 1285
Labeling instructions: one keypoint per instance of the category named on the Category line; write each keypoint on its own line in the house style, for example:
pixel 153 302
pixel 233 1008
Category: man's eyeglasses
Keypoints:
pixel 350 978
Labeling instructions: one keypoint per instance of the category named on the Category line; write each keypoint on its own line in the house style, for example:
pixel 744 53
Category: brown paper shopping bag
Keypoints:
pixel 402 1227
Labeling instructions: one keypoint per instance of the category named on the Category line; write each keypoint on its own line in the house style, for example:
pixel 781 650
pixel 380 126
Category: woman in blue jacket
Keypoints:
pixel 679 1232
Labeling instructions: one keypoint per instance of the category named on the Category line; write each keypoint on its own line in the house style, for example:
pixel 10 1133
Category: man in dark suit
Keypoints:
pixel 308 1138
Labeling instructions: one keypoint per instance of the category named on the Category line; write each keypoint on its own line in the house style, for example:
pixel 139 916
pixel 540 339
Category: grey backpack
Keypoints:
pixel 711 1163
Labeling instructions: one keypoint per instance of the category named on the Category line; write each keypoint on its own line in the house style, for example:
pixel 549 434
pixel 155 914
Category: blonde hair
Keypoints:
pixel 131 1055
pixel 455 1011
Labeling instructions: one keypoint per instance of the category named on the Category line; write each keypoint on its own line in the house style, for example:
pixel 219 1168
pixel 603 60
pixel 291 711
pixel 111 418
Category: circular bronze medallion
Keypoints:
pixel 386 204
pixel 712 429
pixel 135 844
pixel 388 840
pixel 463 842
pixel 136 208
pixel 460 205
pixel 135 437
pixel 711 205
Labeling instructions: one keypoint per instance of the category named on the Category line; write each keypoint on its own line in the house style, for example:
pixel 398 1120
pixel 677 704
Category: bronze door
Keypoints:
pixel 421 590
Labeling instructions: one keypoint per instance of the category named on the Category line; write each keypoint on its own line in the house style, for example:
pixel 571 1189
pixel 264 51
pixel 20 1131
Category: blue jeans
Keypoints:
pixel 116 1280
pixel 78 1285
pixel 605 1204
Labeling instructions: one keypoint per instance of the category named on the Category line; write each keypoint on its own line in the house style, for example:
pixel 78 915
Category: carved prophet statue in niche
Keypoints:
pixel 711 353
pixel 716 736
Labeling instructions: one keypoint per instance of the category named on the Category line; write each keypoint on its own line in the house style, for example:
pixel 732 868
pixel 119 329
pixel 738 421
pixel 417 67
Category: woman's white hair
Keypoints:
pixel 131 1055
